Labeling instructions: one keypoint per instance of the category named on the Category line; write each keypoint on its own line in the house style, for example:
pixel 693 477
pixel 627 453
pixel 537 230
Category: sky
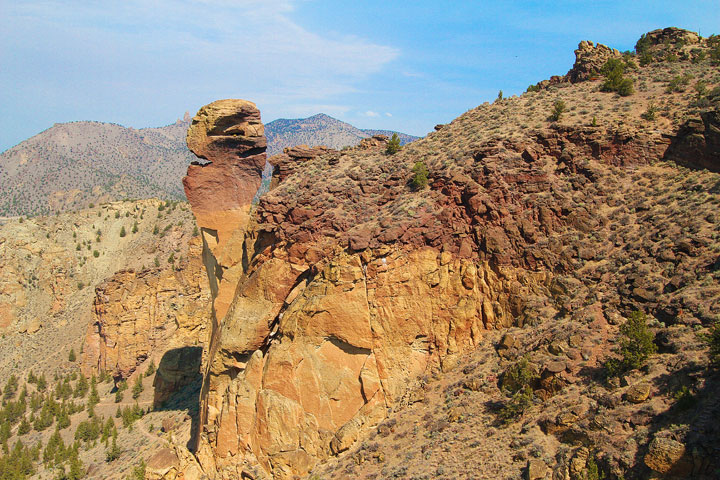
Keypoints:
pixel 404 66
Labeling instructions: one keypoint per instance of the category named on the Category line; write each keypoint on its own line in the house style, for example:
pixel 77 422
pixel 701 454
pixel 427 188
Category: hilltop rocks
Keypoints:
pixel 671 35
pixel 589 59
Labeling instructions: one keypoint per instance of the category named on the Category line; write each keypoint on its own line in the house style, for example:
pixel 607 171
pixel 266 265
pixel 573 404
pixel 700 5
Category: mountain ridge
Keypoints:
pixel 72 165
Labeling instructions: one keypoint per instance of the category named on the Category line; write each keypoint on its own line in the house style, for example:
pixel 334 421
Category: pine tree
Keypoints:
pixel 137 388
pixel 393 145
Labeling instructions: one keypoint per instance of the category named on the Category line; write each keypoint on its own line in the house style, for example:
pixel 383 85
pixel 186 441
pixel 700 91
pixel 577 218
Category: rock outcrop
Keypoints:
pixel 345 284
pixel 589 59
pixel 671 35
pixel 230 135
pixel 697 143
pixel 284 164
pixel 139 315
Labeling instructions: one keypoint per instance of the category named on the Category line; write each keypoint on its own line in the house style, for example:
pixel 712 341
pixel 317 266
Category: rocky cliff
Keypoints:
pixel 138 316
pixel 346 283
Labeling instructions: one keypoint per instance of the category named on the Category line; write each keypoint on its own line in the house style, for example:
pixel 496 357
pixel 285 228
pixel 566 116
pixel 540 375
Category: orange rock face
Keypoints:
pixel 311 343
pixel 230 135
pixel 138 316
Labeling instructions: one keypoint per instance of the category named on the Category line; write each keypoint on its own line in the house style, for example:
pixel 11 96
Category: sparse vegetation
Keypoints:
pixel 636 345
pixel 420 176
pixel 393 145
pixel 651 113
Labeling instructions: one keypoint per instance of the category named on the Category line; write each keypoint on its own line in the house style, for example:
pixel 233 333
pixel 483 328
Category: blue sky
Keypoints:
pixel 376 64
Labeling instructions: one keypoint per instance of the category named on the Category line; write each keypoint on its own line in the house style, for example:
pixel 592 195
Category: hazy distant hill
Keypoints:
pixel 319 129
pixel 71 165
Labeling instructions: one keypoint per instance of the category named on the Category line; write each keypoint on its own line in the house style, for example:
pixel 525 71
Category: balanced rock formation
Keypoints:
pixel 230 135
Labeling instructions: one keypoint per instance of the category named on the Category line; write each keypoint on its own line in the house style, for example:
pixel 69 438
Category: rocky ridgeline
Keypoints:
pixel 345 285
pixel 590 57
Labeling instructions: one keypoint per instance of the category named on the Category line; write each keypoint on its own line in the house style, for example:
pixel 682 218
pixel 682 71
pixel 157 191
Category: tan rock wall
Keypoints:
pixel 303 366
pixel 138 316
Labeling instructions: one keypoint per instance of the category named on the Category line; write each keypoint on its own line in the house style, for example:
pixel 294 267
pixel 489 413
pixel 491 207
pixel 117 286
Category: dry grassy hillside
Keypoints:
pixel 72 165
pixel 51 265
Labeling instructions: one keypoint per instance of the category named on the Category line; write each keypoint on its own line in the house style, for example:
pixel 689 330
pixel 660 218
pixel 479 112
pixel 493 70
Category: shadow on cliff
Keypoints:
pixel 691 421
pixel 177 385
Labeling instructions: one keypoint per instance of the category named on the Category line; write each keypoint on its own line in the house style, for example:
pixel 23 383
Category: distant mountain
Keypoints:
pixel 319 129
pixel 72 165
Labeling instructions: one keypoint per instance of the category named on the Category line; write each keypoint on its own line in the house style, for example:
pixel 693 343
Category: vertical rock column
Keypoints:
pixel 230 136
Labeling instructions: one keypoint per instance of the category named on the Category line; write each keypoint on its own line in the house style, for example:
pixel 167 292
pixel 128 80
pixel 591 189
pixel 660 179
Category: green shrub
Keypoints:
pixel 626 87
pixel 593 470
pixel 517 404
pixel 678 83
pixel 139 471
pixel 71 355
pixel 713 340
pixel 559 108
pixel 81 387
pixel 636 345
pixel 137 387
pixel 420 176
pixel 122 232
pixel 651 113
pixel 393 145
pixel 613 71
pixel 96 254
pixel 519 375
pixel 684 398
pixel 642 45
pixel 113 453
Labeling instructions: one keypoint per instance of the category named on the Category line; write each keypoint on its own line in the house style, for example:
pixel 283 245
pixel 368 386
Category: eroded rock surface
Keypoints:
pixel 140 315
pixel 346 284
pixel 230 135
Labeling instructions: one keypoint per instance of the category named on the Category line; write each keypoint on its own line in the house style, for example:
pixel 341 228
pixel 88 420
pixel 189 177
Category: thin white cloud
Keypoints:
pixel 388 114
pixel 138 59
pixel 370 113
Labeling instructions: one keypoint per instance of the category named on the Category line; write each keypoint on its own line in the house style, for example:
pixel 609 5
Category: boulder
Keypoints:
pixel 668 456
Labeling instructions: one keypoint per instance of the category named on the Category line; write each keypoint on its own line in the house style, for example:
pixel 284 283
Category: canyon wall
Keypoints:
pixel 332 299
